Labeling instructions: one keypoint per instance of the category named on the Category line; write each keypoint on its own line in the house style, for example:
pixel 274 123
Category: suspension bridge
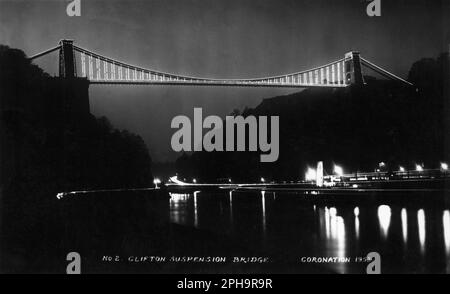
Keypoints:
pixel 99 69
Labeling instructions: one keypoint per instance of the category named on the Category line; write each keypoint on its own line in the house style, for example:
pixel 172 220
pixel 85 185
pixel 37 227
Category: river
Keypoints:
pixel 410 231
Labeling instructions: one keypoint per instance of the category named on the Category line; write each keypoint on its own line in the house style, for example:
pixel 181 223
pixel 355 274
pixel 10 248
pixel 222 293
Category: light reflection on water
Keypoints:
pixel 178 207
pixel 356 213
pixel 263 205
pixel 195 209
pixel 327 222
pixel 421 225
pixel 446 228
pixel 337 230
pixel 446 225
pixel 384 217
pixel 293 223
pixel 404 216
pixel 231 209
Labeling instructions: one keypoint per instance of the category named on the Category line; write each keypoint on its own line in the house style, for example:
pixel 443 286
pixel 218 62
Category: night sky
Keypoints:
pixel 220 39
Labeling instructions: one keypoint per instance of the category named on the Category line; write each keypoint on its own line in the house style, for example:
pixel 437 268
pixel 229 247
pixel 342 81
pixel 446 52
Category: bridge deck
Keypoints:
pixel 215 83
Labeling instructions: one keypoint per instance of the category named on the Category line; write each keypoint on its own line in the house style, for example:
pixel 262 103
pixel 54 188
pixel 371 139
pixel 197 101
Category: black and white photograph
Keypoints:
pixel 224 137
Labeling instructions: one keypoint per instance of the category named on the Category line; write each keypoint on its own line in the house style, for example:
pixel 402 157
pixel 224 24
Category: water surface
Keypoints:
pixel 411 232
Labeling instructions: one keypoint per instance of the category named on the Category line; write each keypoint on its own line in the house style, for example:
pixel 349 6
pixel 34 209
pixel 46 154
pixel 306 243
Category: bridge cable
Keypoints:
pixel 44 52
pixel 383 71
pixel 152 71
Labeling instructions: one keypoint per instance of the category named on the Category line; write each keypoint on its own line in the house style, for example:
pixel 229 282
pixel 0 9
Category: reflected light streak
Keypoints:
pixel 195 209
pixel 404 215
pixel 335 231
pixel 336 228
pixel 333 211
pixel 340 235
pixel 356 213
pixel 384 218
pixel 263 200
pixel 421 224
pixel 231 207
pixel 333 226
pixel 176 201
pixel 327 222
pixel 357 227
pixel 446 224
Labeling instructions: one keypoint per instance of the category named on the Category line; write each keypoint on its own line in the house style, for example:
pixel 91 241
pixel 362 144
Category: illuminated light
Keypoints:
pixel 329 184
pixel 421 224
pixel 384 218
pixel 311 175
pixel 356 211
pixel 355 186
pixel 194 181
pixel 229 180
pixel 382 164
pixel 419 168
pixel 338 170
pixel 444 166
pixel 446 225
pixel 262 180
pixel 176 197
pixel 175 180
pixel 319 174
pixel 404 225
pixel 401 169
pixel 156 181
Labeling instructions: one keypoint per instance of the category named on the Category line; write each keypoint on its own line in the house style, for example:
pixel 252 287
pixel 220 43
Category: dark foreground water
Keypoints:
pixel 410 231
pixel 328 231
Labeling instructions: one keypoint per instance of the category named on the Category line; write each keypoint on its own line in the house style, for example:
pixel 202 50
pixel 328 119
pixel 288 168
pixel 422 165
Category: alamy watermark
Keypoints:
pixel 374 267
pixel 374 8
pixel 74 8
pixel 239 130
pixel 74 266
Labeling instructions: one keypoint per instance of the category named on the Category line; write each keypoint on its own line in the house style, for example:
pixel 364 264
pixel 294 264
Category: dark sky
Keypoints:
pixel 223 39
